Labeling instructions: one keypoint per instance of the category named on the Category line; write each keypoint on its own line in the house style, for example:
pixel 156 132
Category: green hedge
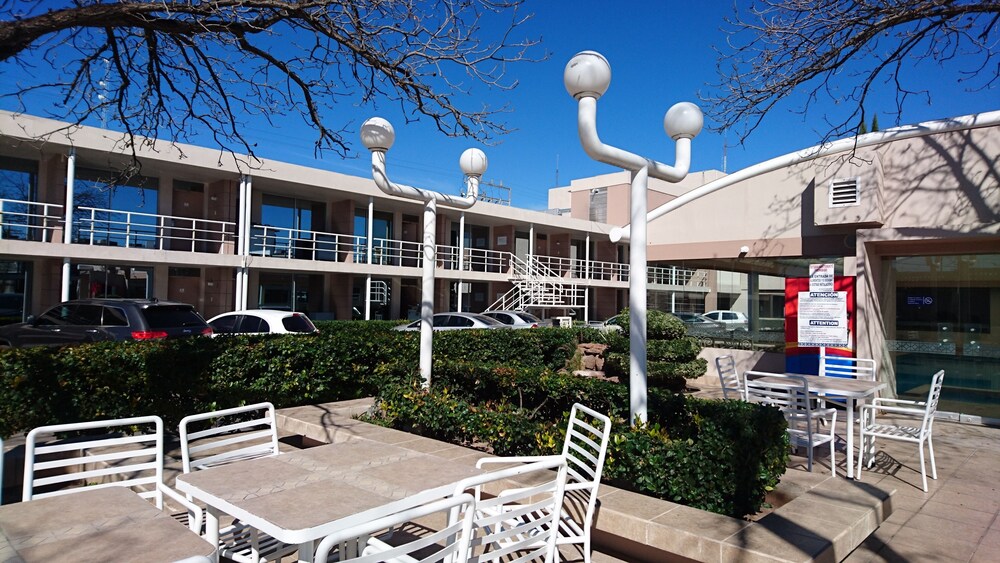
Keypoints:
pixel 500 391
pixel 722 456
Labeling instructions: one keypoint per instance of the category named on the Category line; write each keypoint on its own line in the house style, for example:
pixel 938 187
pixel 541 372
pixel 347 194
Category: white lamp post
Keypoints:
pixel 587 76
pixel 378 135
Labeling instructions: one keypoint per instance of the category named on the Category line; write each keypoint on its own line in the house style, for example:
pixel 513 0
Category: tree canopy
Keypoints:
pixel 161 68
pixel 841 50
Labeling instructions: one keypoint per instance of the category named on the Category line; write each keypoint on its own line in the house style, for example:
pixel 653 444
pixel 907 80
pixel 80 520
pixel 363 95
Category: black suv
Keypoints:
pixel 92 320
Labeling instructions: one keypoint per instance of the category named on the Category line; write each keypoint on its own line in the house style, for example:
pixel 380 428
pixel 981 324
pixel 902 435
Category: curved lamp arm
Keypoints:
pixel 597 150
pixel 383 182
pixel 378 136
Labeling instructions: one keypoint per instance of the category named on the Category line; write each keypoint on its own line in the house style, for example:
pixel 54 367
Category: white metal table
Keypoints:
pixel 854 391
pixel 99 524
pixel 300 497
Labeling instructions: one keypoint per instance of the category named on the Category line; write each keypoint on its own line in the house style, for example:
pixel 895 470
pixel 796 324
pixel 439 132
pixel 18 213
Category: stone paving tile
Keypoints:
pixel 916 545
pixel 958 519
pixel 944 529
pixel 978 518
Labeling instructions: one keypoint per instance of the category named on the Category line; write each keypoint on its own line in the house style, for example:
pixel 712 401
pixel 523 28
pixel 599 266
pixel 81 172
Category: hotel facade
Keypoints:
pixel 911 215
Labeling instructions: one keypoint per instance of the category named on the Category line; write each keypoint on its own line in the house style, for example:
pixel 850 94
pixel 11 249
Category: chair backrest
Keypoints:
pixel 228 435
pixel 732 386
pixel 780 390
pixel 840 366
pixel 585 449
pixel 586 446
pixel 450 543
pixel 128 453
pixel 521 521
pixel 789 393
pixel 933 397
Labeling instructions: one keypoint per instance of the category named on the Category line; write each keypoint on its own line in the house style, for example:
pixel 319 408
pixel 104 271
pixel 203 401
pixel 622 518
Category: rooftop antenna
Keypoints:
pixel 725 148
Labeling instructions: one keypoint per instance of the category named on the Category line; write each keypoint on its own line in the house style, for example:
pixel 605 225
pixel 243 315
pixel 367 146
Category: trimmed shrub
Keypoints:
pixel 499 391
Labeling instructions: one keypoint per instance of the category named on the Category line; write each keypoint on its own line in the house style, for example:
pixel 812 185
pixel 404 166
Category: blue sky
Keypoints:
pixel 661 52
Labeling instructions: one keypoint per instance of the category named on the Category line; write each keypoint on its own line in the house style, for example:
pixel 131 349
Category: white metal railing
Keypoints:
pixel 474 259
pixel 575 268
pixel 380 292
pixel 677 276
pixel 537 285
pixel 300 244
pixel 129 229
pixel 28 220
pixel 25 220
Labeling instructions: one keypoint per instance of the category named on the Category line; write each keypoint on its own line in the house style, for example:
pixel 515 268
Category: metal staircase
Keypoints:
pixel 536 286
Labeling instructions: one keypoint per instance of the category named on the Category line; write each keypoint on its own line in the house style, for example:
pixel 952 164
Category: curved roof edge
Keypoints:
pixel 965 122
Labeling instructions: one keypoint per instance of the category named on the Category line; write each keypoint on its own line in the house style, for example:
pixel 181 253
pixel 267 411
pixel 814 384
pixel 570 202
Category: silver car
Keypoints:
pixel 457 321
pixel 515 319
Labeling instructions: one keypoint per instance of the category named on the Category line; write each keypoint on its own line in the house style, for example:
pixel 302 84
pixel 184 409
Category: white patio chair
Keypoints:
pixel 450 543
pixel 791 396
pixel 228 436
pixel 517 524
pixel 128 454
pixel 584 450
pixel 922 410
pixel 863 369
pixel 732 384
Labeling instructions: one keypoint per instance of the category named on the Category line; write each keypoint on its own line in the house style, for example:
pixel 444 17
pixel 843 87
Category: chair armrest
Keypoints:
pixel 517 459
pixel 195 519
pixel 476 482
pixel 897 410
pixel 879 401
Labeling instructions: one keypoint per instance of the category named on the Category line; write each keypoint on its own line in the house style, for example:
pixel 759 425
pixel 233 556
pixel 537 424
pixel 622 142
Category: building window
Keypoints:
pixel 18 183
pixel 115 209
pixel 943 312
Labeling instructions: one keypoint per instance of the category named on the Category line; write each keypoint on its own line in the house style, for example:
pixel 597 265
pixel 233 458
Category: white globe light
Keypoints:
pixel 587 74
pixel 683 120
pixel 377 134
pixel 473 162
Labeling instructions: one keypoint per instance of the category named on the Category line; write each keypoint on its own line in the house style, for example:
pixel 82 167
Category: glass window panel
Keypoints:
pixel 943 312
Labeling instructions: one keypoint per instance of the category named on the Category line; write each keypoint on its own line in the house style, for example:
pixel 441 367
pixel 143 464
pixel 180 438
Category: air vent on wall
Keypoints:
pixel 845 192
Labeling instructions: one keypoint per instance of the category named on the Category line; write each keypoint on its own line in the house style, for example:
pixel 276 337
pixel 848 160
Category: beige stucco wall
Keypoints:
pixel 946 182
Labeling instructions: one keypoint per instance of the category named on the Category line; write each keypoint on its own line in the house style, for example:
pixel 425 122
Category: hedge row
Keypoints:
pixel 498 390
pixel 174 378
pixel 722 456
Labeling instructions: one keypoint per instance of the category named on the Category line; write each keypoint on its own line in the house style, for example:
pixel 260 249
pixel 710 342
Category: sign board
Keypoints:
pixel 821 277
pixel 822 319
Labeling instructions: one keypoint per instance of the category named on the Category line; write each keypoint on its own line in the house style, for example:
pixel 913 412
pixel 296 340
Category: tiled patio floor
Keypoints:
pixel 958 519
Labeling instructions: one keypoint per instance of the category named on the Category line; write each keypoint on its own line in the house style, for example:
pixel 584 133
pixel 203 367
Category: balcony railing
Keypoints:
pixel 474 259
pixel 24 220
pixel 129 229
pixel 27 220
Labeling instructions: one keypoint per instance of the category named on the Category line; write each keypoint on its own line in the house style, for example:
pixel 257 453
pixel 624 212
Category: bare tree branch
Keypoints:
pixel 840 50
pixel 171 69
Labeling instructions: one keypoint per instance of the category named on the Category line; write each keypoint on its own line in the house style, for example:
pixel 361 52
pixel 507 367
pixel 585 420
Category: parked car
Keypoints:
pixel 608 325
pixel 457 321
pixel 262 321
pixel 695 320
pixel 516 319
pixel 93 320
pixel 733 320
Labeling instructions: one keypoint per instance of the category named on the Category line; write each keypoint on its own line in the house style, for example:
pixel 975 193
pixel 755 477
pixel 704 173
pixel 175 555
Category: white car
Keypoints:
pixel 262 321
pixel 457 321
pixel 732 320
pixel 515 319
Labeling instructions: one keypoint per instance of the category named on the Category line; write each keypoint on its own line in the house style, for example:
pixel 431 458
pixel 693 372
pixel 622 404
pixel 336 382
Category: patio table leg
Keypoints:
pixel 851 405
pixel 212 530
pixel 306 552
